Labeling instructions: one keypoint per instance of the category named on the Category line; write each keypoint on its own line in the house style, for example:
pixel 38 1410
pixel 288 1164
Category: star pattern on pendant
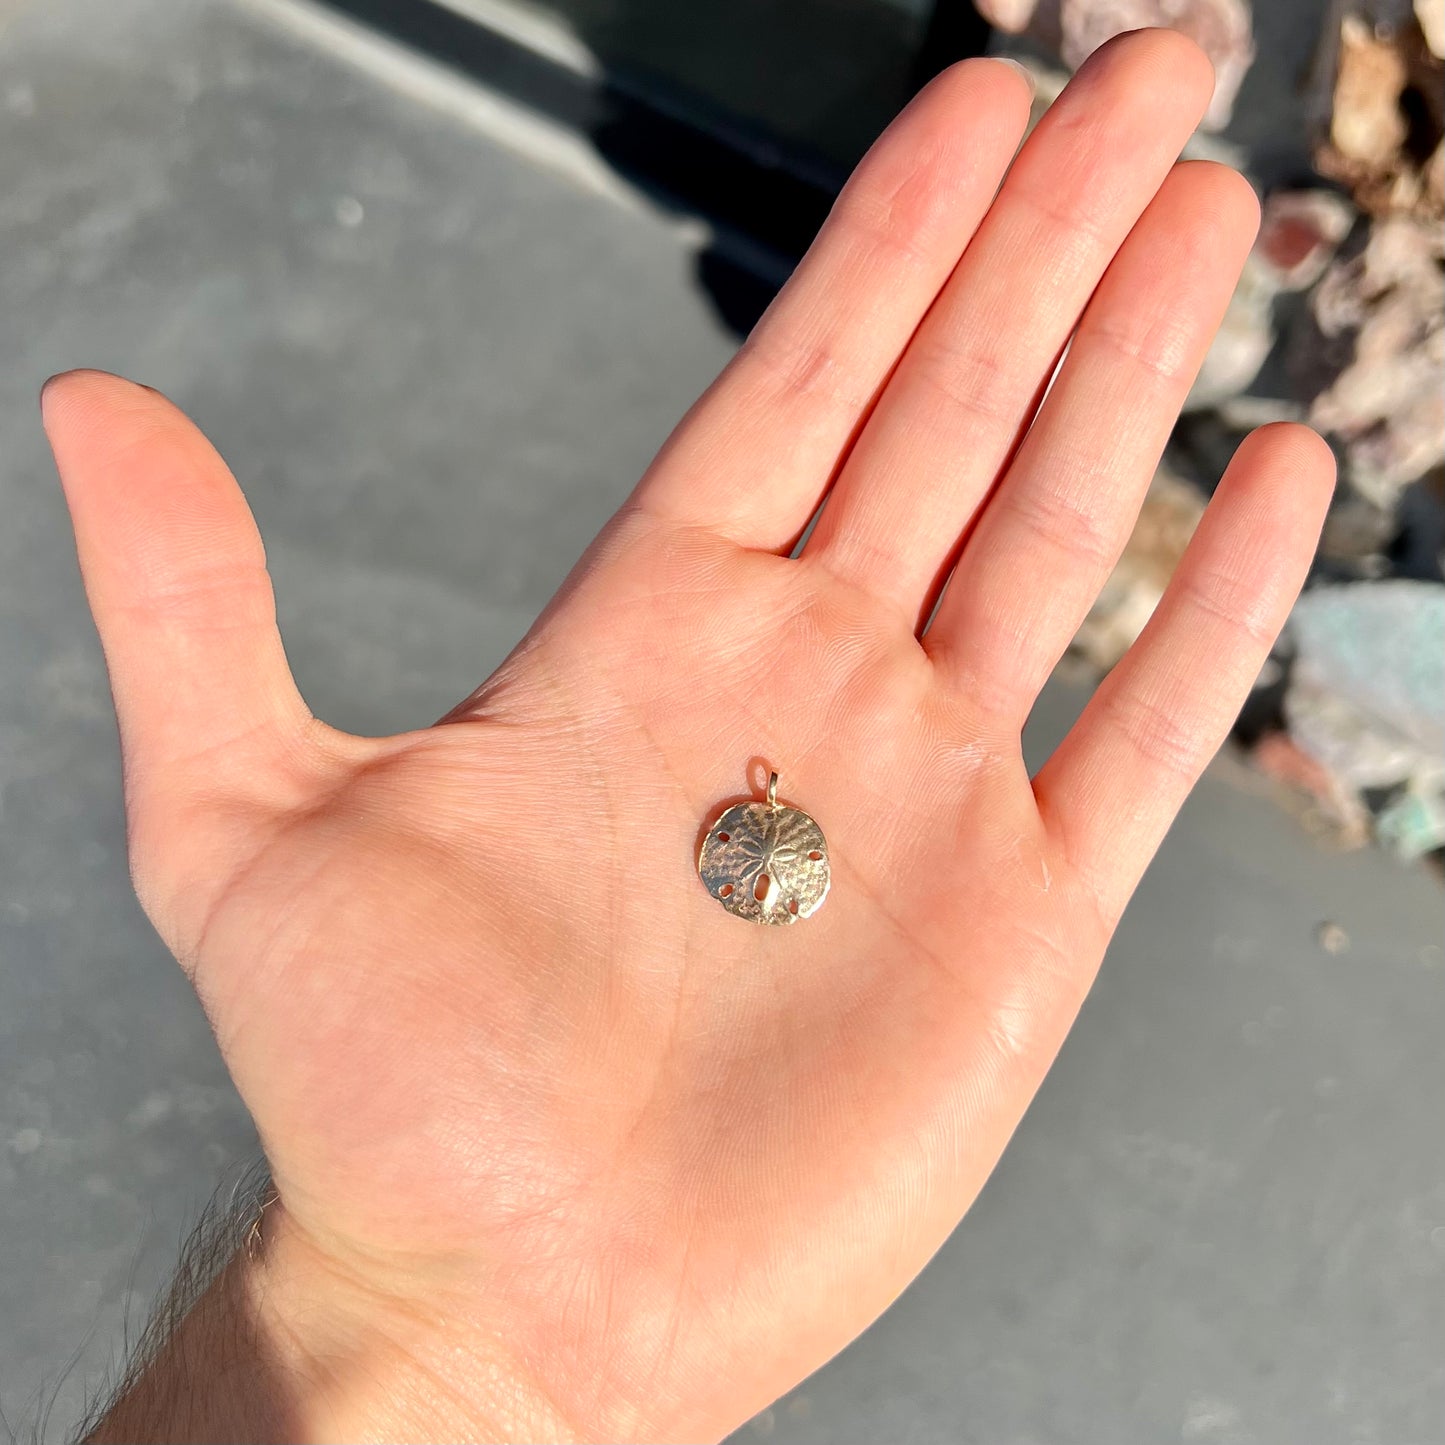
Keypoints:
pixel 765 863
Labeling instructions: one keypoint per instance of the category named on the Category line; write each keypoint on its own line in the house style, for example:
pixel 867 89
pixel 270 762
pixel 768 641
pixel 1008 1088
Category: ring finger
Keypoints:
pixel 1051 534
pixel 972 376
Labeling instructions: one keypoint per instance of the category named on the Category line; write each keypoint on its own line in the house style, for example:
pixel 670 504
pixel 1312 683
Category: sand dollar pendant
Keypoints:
pixel 766 862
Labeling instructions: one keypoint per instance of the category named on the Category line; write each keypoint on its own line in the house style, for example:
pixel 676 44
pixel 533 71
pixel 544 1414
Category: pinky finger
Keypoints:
pixel 1113 787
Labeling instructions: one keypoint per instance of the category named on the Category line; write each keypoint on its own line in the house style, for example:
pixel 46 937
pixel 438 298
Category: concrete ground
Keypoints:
pixel 438 345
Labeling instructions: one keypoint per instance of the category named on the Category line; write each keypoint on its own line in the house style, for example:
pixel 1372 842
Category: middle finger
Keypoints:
pixel 972 376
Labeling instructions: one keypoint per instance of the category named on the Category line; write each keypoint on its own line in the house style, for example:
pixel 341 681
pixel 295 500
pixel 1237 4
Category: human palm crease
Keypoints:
pixel 520 1080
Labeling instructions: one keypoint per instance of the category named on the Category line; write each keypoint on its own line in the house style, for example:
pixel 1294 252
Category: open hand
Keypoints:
pixel 563 1148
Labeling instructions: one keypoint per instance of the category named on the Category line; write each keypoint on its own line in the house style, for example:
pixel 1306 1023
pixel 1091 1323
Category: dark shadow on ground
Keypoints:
pixel 746 113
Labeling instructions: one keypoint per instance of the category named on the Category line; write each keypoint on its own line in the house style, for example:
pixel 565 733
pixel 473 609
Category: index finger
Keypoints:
pixel 754 456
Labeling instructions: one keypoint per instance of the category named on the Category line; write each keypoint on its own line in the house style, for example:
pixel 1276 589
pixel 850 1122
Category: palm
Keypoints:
pixel 468 980
pixel 615 1053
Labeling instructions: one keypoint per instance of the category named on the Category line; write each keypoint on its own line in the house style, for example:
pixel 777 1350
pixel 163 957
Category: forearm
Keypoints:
pixel 259 1340
pixel 217 1373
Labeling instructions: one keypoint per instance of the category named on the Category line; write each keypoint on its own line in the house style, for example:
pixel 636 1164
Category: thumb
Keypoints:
pixel 176 578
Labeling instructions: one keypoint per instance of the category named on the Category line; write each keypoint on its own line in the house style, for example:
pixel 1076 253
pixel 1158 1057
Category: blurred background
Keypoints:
pixel 438 278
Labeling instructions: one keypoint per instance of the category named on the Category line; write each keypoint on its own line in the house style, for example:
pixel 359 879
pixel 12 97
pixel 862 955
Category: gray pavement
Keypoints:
pixel 438 349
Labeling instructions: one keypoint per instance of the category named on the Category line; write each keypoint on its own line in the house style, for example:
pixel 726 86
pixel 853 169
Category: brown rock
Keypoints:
pixel 1379 101
pixel 1367 124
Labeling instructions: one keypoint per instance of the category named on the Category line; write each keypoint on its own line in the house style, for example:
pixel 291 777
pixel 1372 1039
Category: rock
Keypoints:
pixel 1385 403
pixel 1240 346
pixel 1418 548
pixel 1367 124
pixel 1377 646
pixel 1366 700
pixel 1379 97
pixel 1170 513
pixel 1299 233
pixel 1074 29
pixel 1329 809
pixel 1298 236
pixel 1412 824
pixel 1357 533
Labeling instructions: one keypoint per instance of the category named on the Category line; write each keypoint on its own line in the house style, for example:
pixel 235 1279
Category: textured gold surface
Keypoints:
pixel 766 849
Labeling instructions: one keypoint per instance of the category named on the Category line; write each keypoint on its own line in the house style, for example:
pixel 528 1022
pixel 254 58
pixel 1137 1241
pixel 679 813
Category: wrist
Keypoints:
pixel 359 1361
pixel 281 1343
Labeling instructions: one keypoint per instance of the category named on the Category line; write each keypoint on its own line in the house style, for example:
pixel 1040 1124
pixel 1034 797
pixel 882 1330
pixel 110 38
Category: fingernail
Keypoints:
pixel 1022 69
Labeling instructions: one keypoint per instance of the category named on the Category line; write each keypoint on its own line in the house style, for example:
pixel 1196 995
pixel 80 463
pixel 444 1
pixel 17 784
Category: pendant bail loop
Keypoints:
pixel 772 790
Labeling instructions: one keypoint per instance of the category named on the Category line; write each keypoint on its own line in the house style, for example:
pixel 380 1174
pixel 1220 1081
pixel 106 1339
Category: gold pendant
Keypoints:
pixel 766 862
